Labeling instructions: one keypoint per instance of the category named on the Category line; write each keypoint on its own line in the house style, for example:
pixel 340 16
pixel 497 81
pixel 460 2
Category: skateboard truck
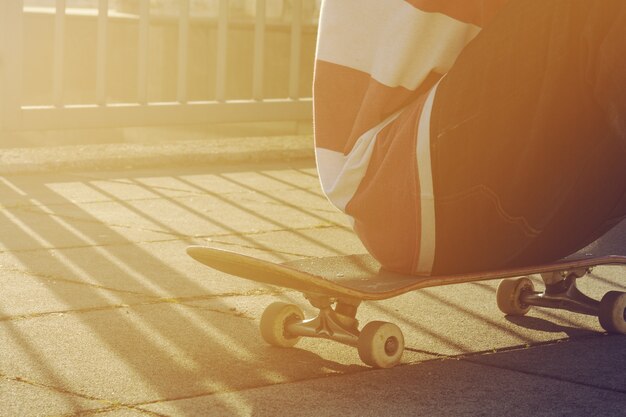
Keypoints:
pixel 561 292
pixel 338 324
pixel 379 344
pixel 517 296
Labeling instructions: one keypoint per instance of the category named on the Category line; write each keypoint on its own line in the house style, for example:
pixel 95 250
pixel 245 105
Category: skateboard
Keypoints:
pixel 337 285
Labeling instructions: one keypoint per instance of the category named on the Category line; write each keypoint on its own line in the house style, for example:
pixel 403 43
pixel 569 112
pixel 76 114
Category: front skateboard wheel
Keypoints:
pixel 509 295
pixel 381 344
pixel 612 312
pixel 274 323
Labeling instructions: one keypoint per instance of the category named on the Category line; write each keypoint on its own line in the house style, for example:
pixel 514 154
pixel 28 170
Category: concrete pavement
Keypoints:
pixel 102 313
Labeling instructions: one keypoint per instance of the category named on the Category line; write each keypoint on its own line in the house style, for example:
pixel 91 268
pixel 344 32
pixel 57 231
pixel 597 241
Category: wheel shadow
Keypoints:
pixel 547 326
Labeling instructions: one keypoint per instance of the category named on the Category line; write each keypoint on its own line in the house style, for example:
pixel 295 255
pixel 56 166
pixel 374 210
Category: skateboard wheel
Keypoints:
pixel 274 323
pixel 509 295
pixel 381 344
pixel 612 312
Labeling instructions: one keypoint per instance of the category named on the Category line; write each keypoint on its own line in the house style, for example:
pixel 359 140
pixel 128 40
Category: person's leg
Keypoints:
pixel 528 142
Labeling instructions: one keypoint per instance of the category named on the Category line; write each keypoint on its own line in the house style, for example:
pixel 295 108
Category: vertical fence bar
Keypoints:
pixel 11 47
pixel 259 50
pixel 142 64
pixel 296 40
pixel 102 42
pixel 59 53
pixel 222 43
pixel 183 50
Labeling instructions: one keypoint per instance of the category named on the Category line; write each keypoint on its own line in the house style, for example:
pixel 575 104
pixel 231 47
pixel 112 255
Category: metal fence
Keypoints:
pixel 141 110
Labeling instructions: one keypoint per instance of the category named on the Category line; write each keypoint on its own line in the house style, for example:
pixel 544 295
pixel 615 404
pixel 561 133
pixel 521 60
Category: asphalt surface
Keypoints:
pixel 102 313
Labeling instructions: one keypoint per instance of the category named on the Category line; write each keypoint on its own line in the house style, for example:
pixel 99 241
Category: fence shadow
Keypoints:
pixel 116 302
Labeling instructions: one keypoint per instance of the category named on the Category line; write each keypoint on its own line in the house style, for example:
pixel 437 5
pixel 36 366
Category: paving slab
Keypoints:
pixel 595 361
pixel 157 352
pixel 293 244
pixel 99 301
pixel 155 269
pixel 22 398
pixel 64 212
pixel 433 388
pixel 25 295
pixel 25 229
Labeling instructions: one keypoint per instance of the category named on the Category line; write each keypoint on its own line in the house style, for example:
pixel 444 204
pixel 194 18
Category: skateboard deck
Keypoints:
pixel 361 276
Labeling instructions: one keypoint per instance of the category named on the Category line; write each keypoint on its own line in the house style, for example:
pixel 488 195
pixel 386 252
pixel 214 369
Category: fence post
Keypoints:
pixel 222 52
pixel 11 15
pixel 101 54
pixel 296 45
pixel 59 53
pixel 259 50
pixel 144 43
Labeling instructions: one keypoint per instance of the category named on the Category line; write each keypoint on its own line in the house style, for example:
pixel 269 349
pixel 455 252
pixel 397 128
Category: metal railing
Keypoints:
pixel 102 112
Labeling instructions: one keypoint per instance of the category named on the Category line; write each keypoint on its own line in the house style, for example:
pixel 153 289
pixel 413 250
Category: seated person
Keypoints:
pixel 465 135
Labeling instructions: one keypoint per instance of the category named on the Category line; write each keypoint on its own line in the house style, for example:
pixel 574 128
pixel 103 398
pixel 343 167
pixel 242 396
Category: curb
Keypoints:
pixel 101 157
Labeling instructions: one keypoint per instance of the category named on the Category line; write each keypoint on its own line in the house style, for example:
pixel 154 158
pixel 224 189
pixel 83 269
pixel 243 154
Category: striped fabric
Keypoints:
pixel 377 66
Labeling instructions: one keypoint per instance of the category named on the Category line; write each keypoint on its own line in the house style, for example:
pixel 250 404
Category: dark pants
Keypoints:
pixel 529 136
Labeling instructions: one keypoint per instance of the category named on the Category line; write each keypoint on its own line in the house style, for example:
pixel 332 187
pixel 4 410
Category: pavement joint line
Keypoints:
pixel 184 194
pixel 151 300
pixel 53 278
pixel 464 357
pixel 275 199
pixel 357 369
pixel 267 250
pixel 188 193
pixel 361 369
pixel 100 245
pixel 177 238
pixel 215 238
pixel 263 217
pixel 180 236
pixel 95 412
pixel 427 352
pixel 33 210
pixel 99 222
pixel 316 191
pixel 310 190
pixel 22 380
pixel 37 209
pixel 469 359
pixel 469 355
pixel 92 202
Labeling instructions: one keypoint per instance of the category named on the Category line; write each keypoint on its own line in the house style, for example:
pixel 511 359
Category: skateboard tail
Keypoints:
pixel 221 261
pixel 280 275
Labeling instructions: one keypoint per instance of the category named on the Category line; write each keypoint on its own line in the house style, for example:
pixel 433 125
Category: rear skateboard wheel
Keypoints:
pixel 274 322
pixel 509 295
pixel 381 344
pixel 612 312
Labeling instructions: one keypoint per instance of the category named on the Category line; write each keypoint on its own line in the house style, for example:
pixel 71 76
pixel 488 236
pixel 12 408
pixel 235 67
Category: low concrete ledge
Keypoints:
pixel 161 154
